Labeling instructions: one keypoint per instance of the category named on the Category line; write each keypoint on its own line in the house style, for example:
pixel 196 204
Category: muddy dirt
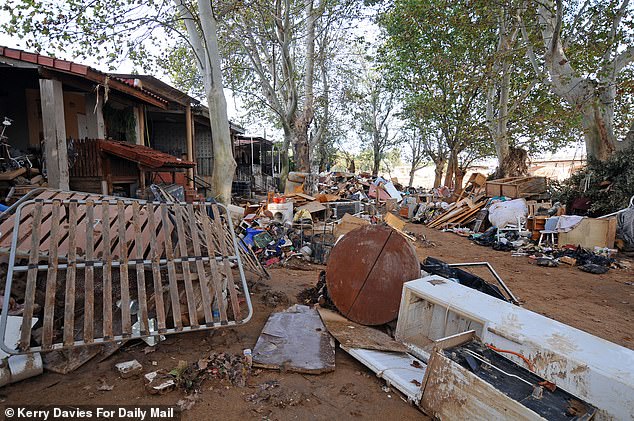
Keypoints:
pixel 599 304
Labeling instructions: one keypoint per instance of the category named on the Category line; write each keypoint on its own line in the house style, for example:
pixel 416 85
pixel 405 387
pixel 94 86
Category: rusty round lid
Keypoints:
pixel 366 271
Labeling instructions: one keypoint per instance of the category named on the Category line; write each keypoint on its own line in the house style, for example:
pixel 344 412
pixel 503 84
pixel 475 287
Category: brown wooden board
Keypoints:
pixel 354 335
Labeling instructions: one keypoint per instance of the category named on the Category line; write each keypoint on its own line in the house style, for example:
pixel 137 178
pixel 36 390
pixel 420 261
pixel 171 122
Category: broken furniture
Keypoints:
pixel 463 379
pixel 593 369
pixel 519 226
pixel 516 187
pixel 590 233
pixel 366 271
pixel 249 261
pixel 95 265
pixel 468 380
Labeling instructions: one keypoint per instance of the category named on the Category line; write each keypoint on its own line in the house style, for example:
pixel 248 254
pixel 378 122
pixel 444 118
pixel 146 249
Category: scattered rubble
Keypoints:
pixel 129 369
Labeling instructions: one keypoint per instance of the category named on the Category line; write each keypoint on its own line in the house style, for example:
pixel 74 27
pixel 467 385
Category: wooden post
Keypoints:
pixel 190 143
pixel 107 174
pixel 141 179
pixel 141 140
pixel 56 152
pixel 138 131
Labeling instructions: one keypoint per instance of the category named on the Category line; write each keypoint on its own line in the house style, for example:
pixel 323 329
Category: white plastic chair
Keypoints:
pixel 518 226
pixel 550 230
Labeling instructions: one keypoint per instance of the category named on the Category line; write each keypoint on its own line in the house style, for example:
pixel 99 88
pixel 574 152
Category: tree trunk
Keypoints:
pixel 438 170
pixel 460 173
pixel 451 165
pixel 412 173
pixel 351 166
pixel 301 148
pixel 224 164
pixel 284 157
pixel 302 143
pixel 376 162
pixel 204 42
pixel 501 136
pixel 584 94
pixel 598 131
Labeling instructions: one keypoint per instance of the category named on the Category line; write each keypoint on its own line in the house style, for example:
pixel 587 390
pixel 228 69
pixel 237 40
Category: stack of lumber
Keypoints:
pixel 461 212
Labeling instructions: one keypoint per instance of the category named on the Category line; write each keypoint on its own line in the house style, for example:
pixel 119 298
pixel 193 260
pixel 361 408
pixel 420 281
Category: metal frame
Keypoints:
pixel 493 272
pixel 205 229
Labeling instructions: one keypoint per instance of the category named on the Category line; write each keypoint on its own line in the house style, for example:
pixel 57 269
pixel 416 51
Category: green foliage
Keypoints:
pixel 608 184
pixel 436 54
pixel 102 31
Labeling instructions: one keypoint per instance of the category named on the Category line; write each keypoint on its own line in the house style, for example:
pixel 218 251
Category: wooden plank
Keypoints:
pixel 51 280
pixel 451 392
pixel 69 308
pixel 140 272
pixel 171 270
pixel 31 279
pixel 182 246
pixel 107 270
pixel 200 267
pixel 215 273
pixel 159 305
pixel 349 223
pixel 354 335
pixel 235 304
pixel 89 282
pixel 126 324
pixel 11 174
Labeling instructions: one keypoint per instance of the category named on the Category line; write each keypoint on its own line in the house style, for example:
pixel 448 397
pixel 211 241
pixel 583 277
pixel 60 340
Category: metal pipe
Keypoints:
pixel 133 262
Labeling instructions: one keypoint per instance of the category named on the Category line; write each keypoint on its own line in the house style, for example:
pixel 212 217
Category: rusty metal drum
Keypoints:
pixel 366 271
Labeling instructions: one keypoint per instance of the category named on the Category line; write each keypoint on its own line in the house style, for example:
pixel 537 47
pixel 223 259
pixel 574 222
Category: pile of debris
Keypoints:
pixel 296 225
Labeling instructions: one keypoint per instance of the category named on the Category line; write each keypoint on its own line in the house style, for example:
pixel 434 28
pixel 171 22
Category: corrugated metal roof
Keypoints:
pixel 148 157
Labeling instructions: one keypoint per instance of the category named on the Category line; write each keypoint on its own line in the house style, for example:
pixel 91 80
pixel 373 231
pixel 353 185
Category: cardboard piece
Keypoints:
pixel 313 207
pixel 349 223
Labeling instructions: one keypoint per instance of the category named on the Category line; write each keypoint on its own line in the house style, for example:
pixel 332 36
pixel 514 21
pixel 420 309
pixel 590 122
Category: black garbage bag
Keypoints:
pixel 592 268
pixel 440 268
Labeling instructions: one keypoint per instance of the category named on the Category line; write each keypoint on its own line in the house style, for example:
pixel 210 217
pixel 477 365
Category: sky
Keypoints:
pixel 235 109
